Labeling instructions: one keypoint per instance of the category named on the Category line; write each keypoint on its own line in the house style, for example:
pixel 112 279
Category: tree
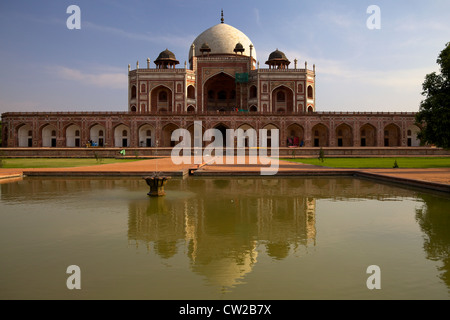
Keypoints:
pixel 434 112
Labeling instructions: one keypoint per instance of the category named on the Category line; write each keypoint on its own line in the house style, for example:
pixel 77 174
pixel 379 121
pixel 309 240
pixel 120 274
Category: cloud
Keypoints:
pixel 411 24
pixel 342 20
pixel 400 78
pixel 347 70
pixel 113 80
pixel 257 17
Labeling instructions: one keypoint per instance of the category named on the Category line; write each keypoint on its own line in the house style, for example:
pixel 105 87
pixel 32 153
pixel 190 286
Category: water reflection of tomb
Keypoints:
pixel 318 188
pixel 224 221
pixel 222 224
pixel 222 229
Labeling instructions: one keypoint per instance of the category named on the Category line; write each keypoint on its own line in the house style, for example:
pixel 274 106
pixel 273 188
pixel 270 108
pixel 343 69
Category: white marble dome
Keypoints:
pixel 222 39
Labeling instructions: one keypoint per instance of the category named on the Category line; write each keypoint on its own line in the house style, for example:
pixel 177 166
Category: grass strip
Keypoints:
pixel 403 162
pixel 27 163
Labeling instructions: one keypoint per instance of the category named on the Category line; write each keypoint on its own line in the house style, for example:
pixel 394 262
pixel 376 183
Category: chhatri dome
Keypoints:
pixel 222 39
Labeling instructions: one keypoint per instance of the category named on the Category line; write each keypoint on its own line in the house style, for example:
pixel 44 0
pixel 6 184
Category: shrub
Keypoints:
pixel 321 155
pixel 98 158
pixel 395 164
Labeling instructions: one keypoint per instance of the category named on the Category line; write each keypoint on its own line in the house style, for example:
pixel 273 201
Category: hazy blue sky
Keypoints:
pixel 46 67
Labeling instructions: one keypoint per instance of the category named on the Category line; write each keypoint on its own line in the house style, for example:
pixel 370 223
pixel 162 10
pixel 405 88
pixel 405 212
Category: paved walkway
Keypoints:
pixel 438 179
pixel 125 168
pixel 135 168
pixel 438 175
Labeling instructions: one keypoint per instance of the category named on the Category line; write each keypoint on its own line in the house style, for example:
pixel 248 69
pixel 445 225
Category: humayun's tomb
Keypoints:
pixel 224 87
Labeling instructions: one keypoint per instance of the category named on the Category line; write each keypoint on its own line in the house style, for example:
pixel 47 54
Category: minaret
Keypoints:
pixel 193 62
pixel 221 19
pixel 252 65
pixel 193 50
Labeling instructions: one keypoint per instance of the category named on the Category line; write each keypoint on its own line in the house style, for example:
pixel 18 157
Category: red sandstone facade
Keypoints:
pixel 224 88
pixel 130 129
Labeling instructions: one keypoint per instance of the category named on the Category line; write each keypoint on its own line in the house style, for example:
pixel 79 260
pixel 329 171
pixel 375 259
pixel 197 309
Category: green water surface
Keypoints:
pixel 227 238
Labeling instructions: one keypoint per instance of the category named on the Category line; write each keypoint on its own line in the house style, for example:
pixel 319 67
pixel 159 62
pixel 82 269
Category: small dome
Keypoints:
pixel 166 59
pixel 205 46
pixel 278 55
pixel 239 48
pixel 166 55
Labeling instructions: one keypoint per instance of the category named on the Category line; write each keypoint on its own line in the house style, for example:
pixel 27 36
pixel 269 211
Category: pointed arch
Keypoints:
pixel 269 127
pixel 223 130
pixel 191 92
pixel 392 135
pixel 166 138
pixel 25 135
pixel 192 132
pixel 49 135
pixel 368 134
pixel 282 99
pixel 219 92
pixel 122 136
pixel 225 73
pixel 146 135
pixel 320 135
pixel 344 135
pixel 295 135
pixel 97 135
pixel 248 135
pixel 73 135
pixel 310 92
pixel 161 99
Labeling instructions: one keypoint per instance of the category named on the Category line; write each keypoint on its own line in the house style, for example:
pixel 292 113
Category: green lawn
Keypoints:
pixel 377 162
pixel 57 163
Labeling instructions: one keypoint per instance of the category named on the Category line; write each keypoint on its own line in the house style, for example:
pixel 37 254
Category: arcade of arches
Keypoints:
pixel 157 134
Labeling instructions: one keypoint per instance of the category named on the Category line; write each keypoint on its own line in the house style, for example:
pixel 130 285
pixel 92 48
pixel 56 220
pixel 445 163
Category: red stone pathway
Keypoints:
pixel 438 176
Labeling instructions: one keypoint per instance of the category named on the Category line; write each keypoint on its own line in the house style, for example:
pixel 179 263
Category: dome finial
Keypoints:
pixel 221 19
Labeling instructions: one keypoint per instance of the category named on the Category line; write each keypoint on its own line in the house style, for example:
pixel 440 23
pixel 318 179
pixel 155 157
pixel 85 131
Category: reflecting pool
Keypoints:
pixel 222 238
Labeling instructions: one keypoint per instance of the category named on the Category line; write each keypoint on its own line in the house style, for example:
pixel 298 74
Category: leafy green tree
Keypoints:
pixel 434 112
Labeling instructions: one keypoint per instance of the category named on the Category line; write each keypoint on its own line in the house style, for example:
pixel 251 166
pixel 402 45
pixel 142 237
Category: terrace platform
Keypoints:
pixel 437 179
